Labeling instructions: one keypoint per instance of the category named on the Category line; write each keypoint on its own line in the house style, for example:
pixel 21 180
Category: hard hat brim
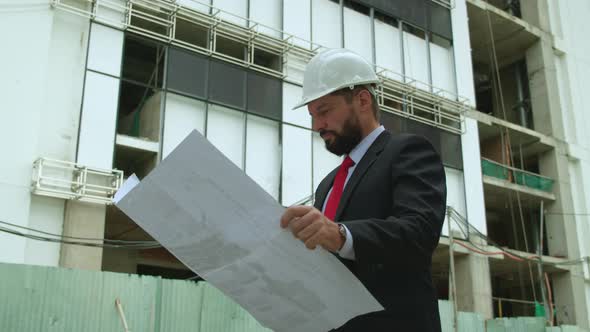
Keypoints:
pixel 306 101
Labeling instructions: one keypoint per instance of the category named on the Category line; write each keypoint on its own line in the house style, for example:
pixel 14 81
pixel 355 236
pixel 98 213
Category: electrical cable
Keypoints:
pixel 101 243
pixel 455 216
pixel 494 57
pixel 73 237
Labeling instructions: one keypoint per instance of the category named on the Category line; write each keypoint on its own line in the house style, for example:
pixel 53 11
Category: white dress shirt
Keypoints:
pixel 347 250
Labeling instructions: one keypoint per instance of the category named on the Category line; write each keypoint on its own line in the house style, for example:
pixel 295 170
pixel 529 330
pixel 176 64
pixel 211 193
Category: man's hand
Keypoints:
pixel 310 226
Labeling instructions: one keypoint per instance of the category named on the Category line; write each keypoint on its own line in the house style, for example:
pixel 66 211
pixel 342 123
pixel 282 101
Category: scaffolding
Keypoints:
pixel 68 180
pixel 159 20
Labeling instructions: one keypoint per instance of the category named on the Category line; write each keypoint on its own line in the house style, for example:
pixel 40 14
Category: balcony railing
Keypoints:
pixel 160 20
pixel 515 175
pixel 68 180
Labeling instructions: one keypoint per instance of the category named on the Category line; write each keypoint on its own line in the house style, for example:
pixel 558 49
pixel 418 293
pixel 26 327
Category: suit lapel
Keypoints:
pixel 324 188
pixel 360 170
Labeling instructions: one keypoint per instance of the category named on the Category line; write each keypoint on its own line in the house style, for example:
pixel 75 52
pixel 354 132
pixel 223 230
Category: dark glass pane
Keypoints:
pixel 143 61
pixel 187 72
pixel 264 95
pixel 227 84
pixel 448 145
pixel 413 11
pixel 440 20
pixel 356 6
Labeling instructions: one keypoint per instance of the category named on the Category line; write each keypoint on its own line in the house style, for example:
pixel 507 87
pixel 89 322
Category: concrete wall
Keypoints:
pixel 42 73
pixel 558 67
pixel 569 24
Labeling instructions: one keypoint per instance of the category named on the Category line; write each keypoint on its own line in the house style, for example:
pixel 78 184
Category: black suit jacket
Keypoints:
pixel 394 206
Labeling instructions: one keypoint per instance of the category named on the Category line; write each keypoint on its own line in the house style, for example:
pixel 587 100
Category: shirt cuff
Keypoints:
pixel 347 250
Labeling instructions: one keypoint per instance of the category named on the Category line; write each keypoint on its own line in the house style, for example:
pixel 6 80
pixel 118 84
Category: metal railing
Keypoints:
pixel 516 175
pixel 450 4
pixel 68 180
pixel 159 19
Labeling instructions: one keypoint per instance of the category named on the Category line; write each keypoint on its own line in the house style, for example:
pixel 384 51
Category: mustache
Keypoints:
pixel 324 132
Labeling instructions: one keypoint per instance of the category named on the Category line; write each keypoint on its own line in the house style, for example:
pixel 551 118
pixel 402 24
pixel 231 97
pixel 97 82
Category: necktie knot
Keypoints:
pixel 347 163
pixel 337 188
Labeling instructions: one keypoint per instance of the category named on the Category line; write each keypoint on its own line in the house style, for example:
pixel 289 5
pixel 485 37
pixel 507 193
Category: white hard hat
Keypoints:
pixel 333 70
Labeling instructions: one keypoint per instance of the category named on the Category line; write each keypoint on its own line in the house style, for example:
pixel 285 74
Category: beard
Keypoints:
pixel 349 137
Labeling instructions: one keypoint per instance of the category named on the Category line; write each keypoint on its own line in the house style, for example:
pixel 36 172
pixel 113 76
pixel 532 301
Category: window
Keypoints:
pixel 227 84
pixel 440 20
pixel 264 95
pixel 187 72
pixel 448 145
pixel 143 61
pixel 191 33
pixel 150 17
pixel 139 111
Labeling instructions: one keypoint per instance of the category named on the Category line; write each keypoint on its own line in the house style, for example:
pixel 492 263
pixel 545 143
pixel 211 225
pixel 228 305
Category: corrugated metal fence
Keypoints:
pixel 35 299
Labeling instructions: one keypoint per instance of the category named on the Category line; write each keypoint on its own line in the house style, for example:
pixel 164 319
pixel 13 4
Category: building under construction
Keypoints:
pixel 96 90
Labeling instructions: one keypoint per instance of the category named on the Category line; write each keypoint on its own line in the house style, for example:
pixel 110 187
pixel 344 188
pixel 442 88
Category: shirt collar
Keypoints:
pixel 359 151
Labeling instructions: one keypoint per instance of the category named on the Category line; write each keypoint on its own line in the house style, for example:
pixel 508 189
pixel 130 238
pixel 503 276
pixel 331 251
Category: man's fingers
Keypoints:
pixel 313 241
pixel 292 213
pixel 299 224
pixel 309 231
pixel 306 220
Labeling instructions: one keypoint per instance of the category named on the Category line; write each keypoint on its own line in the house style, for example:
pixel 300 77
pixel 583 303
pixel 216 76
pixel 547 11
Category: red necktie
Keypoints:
pixel 337 189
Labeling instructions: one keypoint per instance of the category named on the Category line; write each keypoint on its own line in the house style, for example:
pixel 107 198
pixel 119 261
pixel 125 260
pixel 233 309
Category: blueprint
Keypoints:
pixel 222 225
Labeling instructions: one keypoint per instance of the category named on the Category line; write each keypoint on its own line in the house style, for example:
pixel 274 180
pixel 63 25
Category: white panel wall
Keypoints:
pixel 357 33
pixel 105 49
pixel 112 13
pixel 297 182
pixel 388 47
pixel 475 207
pixel 462 51
pixel 263 153
pixel 60 111
pixel 569 24
pixel 323 161
pixel 473 178
pixel 225 129
pixel 416 59
pixel 269 13
pixel 326 23
pixel 455 196
pixel 46 214
pixel 181 117
pixel 297 20
pixel 291 96
pixel 442 66
pixel 99 117
pixel 239 9
pixel 40 104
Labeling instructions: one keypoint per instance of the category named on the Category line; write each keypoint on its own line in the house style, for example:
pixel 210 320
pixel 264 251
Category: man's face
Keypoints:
pixel 337 123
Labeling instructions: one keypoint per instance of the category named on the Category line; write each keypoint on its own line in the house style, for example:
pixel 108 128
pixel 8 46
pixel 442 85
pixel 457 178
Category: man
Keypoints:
pixel 381 212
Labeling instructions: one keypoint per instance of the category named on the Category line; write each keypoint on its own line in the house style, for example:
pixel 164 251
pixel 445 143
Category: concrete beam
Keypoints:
pixel 83 220
pixel 512 36
pixel 474 287
pixel 569 290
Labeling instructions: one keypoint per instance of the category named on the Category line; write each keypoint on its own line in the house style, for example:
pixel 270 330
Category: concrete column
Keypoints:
pixel 474 287
pixel 83 220
pixel 474 290
pixel 569 290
